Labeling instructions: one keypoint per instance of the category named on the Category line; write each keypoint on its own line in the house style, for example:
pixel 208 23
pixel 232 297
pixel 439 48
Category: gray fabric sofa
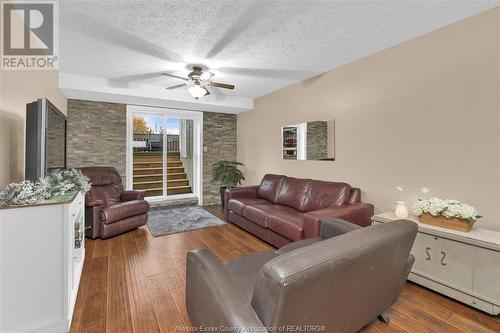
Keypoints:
pixel 337 282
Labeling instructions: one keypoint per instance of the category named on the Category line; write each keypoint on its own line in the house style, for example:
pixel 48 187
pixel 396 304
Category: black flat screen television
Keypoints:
pixel 45 139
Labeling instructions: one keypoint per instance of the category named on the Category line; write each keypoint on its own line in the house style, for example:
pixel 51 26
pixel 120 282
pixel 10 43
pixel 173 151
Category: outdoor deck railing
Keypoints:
pixel 154 142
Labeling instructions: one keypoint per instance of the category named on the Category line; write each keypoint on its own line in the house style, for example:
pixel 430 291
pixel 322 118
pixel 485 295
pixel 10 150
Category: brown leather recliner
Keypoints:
pixel 338 282
pixel 109 210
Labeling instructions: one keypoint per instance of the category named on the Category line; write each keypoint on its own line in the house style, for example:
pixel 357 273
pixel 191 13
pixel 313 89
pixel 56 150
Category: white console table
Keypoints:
pixel 462 265
pixel 41 260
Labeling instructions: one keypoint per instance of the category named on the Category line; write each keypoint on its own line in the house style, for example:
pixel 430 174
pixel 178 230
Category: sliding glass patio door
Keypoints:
pixel 179 156
pixel 163 152
pixel 148 161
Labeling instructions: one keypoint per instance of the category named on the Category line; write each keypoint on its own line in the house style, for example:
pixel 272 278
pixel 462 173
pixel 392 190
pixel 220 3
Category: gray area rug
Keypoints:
pixel 171 220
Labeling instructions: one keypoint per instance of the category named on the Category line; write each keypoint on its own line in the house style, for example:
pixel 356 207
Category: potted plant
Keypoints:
pixel 227 175
pixel 451 214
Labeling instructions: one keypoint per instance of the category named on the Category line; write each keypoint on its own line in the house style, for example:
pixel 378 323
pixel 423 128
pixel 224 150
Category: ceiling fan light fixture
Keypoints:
pixel 197 91
pixel 198 81
pixel 206 76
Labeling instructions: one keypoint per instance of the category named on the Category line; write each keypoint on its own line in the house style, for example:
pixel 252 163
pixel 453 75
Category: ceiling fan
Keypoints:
pixel 198 82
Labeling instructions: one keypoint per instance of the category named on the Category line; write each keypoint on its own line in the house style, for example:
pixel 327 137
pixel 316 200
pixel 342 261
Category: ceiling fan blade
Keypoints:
pixel 176 76
pixel 222 85
pixel 176 86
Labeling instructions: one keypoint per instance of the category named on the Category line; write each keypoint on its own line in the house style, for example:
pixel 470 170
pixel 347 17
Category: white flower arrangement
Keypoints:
pixel 448 208
pixel 57 182
pixel 19 194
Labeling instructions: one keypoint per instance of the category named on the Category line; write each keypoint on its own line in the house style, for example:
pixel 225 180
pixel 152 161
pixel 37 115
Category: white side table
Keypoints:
pixel 462 265
pixel 42 251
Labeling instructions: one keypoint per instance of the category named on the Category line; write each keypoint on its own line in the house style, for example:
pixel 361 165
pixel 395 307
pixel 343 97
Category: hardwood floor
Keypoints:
pixel 136 283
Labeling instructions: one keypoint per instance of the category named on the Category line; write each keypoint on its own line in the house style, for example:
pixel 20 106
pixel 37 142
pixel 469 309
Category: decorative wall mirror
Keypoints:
pixel 314 140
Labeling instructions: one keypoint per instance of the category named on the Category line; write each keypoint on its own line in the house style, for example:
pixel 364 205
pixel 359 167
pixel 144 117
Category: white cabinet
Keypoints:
pixel 454 261
pixel 486 273
pixel 443 260
pixel 464 266
pixel 41 260
pixel 425 251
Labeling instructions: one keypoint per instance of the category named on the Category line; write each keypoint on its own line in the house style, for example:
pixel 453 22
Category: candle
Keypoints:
pixel 401 209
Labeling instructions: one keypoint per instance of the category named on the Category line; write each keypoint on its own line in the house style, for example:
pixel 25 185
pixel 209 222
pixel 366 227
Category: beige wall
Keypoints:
pixel 16 89
pixel 425 113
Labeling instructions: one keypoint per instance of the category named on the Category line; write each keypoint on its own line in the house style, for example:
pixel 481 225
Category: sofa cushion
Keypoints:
pixel 248 225
pixel 123 210
pixel 355 196
pixel 293 192
pixel 325 194
pixel 261 213
pixel 258 213
pixel 237 204
pixel 289 224
pixel 270 187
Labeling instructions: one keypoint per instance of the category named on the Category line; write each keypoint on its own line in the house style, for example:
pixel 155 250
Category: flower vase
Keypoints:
pixel 445 222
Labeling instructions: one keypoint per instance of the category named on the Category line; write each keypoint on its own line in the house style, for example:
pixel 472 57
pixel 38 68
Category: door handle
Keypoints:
pixel 442 259
pixel 427 250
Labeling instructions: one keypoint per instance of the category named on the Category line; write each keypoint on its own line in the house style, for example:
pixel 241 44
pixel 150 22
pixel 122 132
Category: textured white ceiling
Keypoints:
pixel 260 46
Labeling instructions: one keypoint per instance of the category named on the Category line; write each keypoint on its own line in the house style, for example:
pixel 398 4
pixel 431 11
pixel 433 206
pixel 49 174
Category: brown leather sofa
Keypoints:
pixel 284 209
pixel 338 282
pixel 109 210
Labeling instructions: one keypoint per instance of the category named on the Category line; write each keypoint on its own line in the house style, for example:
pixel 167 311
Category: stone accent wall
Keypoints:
pixel 317 140
pixel 219 141
pixel 97 134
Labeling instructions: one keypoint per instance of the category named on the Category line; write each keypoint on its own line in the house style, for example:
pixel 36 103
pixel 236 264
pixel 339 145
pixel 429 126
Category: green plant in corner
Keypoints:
pixel 227 175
